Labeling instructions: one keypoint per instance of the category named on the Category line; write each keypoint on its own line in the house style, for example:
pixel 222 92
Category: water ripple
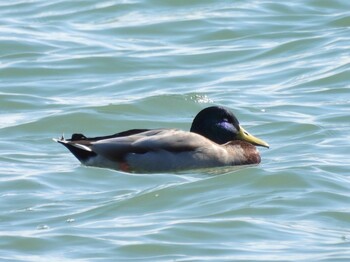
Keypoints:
pixel 102 67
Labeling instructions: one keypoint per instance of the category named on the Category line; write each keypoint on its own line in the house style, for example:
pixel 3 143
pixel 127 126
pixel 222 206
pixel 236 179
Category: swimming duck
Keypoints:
pixel 215 139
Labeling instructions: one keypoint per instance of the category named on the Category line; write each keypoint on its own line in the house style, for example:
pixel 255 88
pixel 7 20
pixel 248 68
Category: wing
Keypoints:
pixel 76 137
pixel 170 140
pixel 82 147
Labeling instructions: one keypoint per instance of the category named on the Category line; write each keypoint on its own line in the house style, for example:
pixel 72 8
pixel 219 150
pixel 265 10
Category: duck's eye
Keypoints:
pixel 246 133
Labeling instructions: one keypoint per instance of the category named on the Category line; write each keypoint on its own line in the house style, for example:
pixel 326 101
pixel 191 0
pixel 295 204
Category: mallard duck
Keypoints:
pixel 215 139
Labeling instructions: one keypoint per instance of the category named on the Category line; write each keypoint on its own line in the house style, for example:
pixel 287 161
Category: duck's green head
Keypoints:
pixel 221 126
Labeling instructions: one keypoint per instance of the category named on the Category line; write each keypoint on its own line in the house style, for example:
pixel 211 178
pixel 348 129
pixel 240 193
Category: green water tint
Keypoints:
pixel 100 68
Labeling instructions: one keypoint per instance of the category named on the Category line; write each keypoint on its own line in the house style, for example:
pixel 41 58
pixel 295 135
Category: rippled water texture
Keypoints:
pixel 99 67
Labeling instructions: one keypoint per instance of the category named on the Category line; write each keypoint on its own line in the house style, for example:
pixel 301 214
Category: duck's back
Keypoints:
pixel 160 150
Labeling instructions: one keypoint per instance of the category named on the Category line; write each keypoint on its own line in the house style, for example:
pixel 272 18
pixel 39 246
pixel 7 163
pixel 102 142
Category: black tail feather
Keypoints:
pixel 81 154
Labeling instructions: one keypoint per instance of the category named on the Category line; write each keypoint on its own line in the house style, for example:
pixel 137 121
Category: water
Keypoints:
pixel 99 67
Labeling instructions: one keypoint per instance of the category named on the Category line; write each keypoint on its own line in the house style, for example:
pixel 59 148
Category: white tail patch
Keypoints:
pixel 62 140
pixel 86 148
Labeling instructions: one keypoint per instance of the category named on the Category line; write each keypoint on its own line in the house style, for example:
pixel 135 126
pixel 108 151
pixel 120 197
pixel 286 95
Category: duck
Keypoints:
pixel 215 139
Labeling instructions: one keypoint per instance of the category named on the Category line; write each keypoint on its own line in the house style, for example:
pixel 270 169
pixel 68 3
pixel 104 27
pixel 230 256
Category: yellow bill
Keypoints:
pixel 244 135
